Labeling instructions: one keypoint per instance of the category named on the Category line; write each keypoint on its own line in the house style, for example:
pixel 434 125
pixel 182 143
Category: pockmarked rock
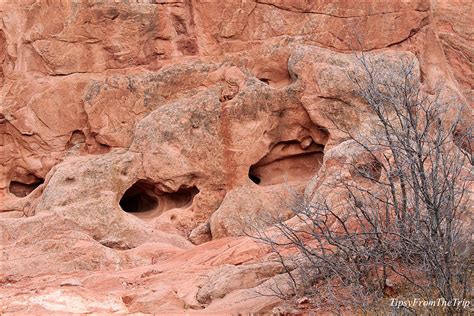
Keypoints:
pixel 142 143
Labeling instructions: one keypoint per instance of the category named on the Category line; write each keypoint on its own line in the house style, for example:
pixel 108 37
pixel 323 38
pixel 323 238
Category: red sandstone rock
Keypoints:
pixel 138 140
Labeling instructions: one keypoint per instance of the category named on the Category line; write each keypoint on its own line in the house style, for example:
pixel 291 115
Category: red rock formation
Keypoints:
pixel 132 132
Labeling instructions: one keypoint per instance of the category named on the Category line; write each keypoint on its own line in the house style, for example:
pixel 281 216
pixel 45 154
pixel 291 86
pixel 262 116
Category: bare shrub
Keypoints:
pixel 402 216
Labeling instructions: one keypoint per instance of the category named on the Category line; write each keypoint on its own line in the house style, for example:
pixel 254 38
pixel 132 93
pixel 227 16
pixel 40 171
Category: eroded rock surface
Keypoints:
pixel 140 141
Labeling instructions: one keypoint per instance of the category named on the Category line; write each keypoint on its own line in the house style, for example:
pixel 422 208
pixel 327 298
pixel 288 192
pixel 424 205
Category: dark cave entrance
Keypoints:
pixel 252 176
pixel 144 200
pixel 139 198
pixel 288 161
pixel 22 189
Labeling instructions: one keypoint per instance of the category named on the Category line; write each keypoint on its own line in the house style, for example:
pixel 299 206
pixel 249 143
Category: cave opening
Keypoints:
pixel 146 201
pixel 139 197
pixel 24 188
pixel 288 161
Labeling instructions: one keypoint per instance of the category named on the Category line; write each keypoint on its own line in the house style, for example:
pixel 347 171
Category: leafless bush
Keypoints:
pixel 402 216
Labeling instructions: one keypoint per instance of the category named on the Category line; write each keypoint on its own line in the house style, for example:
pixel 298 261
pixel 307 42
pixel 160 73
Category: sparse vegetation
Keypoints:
pixel 401 225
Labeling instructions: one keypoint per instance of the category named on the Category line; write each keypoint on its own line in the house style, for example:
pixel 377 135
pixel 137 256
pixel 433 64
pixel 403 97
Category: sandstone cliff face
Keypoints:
pixel 139 140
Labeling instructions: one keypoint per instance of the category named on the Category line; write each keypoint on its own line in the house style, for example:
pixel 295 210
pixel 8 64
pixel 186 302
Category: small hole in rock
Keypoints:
pixel 252 176
pixel 21 189
pixel 77 138
pixel 273 72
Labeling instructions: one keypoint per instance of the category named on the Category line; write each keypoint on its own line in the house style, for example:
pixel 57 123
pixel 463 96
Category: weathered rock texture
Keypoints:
pixel 140 141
